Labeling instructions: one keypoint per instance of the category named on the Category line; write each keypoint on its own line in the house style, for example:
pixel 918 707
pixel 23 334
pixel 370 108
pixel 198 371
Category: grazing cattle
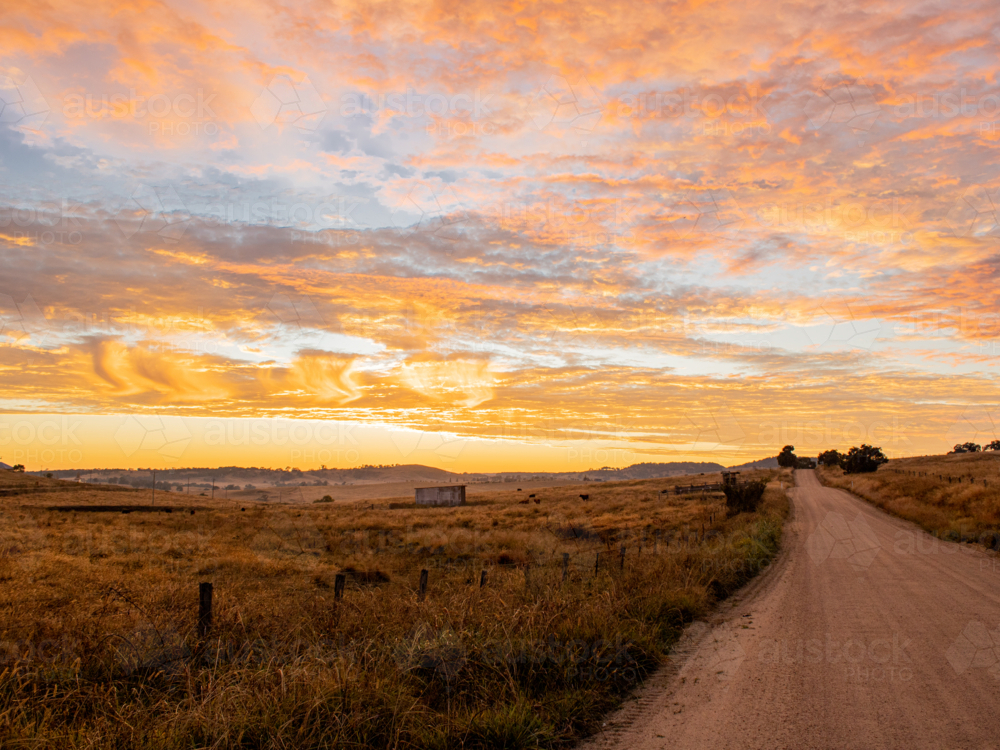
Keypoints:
pixel 537 500
pixel 585 497
pixel 530 495
pixel 523 502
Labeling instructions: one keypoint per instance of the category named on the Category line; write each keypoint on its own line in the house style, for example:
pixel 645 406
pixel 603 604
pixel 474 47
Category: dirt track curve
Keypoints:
pixel 865 633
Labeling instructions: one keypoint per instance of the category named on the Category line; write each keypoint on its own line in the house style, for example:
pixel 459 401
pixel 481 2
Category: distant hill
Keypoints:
pixel 764 463
pixel 237 477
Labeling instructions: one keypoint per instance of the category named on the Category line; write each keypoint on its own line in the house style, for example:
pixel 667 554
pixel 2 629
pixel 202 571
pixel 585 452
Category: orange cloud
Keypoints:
pixel 465 382
pixel 326 378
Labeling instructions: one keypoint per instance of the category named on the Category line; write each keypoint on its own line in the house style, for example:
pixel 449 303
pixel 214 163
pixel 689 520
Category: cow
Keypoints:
pixel 585 497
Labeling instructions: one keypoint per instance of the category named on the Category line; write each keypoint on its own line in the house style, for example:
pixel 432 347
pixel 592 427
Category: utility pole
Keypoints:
pixel 213 486
pixel 154 488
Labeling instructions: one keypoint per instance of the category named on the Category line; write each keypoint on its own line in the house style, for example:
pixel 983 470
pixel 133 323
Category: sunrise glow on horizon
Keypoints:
pixel 495 237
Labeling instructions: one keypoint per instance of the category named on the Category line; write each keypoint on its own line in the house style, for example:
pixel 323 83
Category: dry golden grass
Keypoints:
pixel 98 643
pixel 955 496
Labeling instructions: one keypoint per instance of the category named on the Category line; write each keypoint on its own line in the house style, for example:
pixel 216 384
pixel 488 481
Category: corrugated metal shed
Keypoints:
pixel 451 495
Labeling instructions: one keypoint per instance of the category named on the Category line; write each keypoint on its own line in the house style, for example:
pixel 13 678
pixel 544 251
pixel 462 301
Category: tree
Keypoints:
pixel 969 447
pixel 17 467
pixel 830 458
pixel 787 457
pixel 994 446
pixel 862 460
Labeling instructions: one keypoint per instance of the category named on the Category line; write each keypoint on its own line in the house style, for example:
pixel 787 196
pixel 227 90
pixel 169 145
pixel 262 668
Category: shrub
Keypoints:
pixel 324 499
pixel 17 467
pixel 746 497
pixel 862 460
pixel 993 446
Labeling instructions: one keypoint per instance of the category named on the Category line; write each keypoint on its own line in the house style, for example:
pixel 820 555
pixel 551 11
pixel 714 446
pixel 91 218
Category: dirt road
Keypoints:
pixel 866 633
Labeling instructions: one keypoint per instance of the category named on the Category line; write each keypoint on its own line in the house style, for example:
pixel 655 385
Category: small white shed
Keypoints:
pixel 451 495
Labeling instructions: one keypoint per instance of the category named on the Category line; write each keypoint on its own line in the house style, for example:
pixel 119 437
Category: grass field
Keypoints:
pixel 955 496
pixel 99 648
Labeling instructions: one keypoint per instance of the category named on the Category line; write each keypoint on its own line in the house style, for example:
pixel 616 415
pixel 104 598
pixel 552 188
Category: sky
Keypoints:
pixel 495 236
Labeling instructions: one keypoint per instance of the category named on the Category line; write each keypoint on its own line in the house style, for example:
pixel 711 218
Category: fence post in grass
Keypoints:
pixel 565 564
pixel 597 563
pixel 423 585
pixel 338 586
pixel 623 557
pixel 204 609
pixel 482 578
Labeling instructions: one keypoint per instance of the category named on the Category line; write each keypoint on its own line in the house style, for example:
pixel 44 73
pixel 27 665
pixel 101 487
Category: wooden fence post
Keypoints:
pixel 482 578
pixel 623 557
pixel 338 586
pixel 597 563
pixel 565 564
pixel 423 585
pixel 204 609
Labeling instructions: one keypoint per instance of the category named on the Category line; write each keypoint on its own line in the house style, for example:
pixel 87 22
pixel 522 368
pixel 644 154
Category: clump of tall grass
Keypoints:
pixel 744 497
